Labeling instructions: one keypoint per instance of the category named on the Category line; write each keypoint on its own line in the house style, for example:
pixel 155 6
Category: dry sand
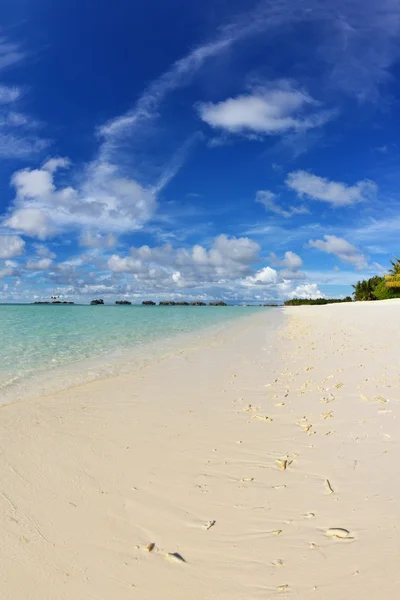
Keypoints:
pixel 180 454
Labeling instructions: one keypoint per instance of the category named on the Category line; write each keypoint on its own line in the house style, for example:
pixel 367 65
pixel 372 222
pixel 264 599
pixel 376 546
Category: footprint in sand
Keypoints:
pixel 339 532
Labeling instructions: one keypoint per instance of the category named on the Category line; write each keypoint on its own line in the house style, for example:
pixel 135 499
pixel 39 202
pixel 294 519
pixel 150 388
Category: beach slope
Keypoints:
pixel 261 462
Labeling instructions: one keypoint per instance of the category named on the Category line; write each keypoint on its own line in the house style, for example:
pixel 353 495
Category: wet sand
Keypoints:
pixel 260 463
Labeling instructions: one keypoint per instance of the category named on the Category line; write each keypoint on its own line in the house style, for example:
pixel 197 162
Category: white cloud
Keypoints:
pixel 93 239
pixel 43 251
pixel 290 260
pixel 10 269
pixel 10 53
pixel 268 200
pixel 227 259
pixel 265 111
pixel 307 290
pixel 334 192
pixel 43 264
pixel 8 94
pixel 105 201
pixel 53 164
pixel 11 245
pixel 17 136
pixel 341 248
pixel 32 183
pixel 291 263
pixel 31 221
pixel 265 276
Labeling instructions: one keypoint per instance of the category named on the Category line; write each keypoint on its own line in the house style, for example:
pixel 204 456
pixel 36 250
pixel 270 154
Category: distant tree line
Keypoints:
pixel 380 288
pixel 315 301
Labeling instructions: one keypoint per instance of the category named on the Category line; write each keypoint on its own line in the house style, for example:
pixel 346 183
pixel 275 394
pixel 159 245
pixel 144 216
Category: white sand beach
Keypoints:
pixel 188 453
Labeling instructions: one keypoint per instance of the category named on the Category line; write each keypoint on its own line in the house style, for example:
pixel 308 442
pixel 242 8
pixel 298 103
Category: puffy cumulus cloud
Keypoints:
pixel 43 264
pixel 346 252
pixel 228 258
pixel 53 164
pixel 105 201
pixel 31 221
pixel 94 239
pixel 290 263
pixel 334 193
pixel 290 260
pixel 11 245
pixel 307 290
pixel 266 276
pixel 269 110
pixel 269 201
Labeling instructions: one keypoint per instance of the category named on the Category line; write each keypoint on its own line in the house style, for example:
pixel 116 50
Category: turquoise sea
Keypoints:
pixel 46 348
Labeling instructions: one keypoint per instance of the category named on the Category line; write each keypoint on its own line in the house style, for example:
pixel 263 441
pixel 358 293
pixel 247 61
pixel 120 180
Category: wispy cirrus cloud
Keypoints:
pixel 10 53
pixel 269 201
pixel 19 136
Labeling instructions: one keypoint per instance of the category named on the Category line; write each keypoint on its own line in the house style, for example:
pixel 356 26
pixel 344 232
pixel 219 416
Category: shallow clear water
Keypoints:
pixel 39 340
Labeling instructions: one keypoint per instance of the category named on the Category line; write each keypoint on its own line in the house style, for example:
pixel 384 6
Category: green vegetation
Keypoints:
pixel 380 288
pixel 316 301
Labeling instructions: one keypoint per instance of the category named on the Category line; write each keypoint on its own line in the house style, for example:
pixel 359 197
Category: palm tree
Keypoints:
pixel 393 279
pixel 364 290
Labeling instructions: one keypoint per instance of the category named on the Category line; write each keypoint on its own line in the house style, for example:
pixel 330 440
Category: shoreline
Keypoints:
pixel 110 364
pixel 187 454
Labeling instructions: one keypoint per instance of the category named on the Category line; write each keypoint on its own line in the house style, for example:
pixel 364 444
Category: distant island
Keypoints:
pixel 54 302
pixel 182 303
pixel 123 302
pixel 96 302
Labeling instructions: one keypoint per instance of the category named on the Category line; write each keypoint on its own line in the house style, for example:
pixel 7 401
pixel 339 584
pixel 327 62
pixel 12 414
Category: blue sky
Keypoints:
pixel 238 150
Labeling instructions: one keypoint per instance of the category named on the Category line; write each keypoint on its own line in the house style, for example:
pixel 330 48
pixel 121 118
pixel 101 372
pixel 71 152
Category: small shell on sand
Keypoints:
pixel 277 563
pixel 282 588
pixel 381 399
pixel 283 463
pixel 175 557
pixel 150 547
pixel 338 532
pixel 327 415
pixel 260 418
pixel 277 532
pixel 209 524
pixel 306 427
